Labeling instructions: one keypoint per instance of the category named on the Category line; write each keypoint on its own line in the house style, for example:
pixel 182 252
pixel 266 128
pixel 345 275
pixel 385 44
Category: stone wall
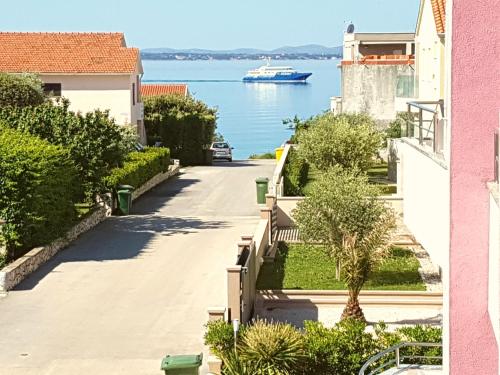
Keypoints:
pixel 372 89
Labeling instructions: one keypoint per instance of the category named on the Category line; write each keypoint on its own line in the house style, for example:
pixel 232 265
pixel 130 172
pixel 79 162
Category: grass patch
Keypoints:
pixel 266 155
pixel 308 267
pixel 377 175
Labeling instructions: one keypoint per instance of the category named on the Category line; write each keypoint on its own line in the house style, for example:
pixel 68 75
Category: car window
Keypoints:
pixel 220 145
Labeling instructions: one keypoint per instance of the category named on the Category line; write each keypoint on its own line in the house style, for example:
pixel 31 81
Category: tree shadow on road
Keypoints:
pixel 126 237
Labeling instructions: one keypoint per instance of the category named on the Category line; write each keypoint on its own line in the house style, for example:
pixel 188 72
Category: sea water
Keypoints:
pixel 250 115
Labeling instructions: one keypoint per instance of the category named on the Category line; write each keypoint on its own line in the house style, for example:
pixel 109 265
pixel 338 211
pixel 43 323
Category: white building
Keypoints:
pixel 92 70
pixel 377 74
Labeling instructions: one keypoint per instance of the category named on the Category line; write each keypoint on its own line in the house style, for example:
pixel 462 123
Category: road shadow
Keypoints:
pixel 126 237
pixel 233 164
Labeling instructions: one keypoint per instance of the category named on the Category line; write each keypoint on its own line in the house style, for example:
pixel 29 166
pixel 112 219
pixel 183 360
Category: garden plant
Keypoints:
pixel 343 214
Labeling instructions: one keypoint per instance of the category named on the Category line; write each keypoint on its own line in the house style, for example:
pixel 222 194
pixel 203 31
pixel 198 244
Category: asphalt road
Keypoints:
pixel 134 288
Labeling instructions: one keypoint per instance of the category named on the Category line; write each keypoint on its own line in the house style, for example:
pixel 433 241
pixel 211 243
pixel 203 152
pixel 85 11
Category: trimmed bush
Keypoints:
pixel 20 90
pixel 185 125
pixel 295 174
pixel 347 140
pixel 38 182
pixel 340 350
pixel 139 167
pixel 96 144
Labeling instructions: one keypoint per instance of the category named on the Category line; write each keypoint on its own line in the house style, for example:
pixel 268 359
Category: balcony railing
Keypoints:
pixel 393 357
pixel 426 123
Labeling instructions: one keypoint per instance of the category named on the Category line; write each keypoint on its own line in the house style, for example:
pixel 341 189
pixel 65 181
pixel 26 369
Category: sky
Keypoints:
pixel 213 24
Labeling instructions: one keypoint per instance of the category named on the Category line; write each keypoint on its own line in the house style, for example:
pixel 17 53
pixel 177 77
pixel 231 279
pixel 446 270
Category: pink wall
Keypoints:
pixel 475 88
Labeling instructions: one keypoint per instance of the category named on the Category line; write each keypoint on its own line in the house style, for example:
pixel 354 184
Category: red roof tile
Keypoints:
pixel 439 11
pixel 165 89
pixel 77 53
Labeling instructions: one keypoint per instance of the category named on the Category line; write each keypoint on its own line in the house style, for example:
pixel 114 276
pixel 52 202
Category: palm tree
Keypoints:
pixel 342 212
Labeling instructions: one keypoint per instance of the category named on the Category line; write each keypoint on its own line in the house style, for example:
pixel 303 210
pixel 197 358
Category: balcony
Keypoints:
pixel 405 358
pixel 426 124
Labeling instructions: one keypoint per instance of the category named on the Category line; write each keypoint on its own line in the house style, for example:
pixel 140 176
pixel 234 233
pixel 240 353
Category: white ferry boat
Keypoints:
pixel 269 73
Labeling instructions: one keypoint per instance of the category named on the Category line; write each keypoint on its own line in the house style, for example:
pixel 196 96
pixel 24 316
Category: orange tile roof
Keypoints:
pixel 164 89
pixel 73 53
pixel 439 11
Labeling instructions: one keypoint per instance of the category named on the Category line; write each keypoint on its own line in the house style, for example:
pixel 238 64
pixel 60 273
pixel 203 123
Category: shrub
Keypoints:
pixel 295 174
pixel 37 191
pixel 394 130
pixel 266 155
pixel 220 337
pixel 20 90
pixel 185 125
pixel 277 347
pixel 421 333
pixel 348 140
pixel 96 144
pixel 340 350
pixel 139 167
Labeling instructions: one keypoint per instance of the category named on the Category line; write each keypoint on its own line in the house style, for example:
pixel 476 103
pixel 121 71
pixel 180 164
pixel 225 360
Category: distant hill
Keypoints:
pixel 313 51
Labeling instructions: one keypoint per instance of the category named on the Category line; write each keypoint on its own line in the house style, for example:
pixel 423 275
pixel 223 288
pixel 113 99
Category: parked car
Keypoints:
pixel 222 150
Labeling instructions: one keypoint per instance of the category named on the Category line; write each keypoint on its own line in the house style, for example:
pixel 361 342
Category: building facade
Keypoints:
pixel 376 70
pixel 449 163
pixel 92 70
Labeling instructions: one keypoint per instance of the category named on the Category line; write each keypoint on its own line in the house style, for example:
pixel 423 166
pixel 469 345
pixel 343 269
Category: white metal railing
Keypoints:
pixel 426 123
pixel 398 359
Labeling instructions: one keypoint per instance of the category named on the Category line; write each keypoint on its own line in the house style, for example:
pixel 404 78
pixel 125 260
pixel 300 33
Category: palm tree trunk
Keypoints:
pixel 352 309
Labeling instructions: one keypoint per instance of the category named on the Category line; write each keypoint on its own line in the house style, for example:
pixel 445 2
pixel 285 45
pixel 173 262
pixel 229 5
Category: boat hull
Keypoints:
pixel 288 78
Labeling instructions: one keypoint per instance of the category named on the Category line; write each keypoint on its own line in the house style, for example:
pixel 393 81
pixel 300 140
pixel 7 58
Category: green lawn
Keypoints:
pixel 377 175
pixel 299 266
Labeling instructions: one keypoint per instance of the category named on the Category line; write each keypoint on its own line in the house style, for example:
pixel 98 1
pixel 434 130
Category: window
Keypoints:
pixel 52 89
pixel 133 93
pixel 138 88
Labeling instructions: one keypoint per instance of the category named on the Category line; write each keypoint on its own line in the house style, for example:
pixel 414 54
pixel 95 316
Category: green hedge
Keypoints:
pixel 38 185
pixel 139 167
pixel 185 125
pixel 295 174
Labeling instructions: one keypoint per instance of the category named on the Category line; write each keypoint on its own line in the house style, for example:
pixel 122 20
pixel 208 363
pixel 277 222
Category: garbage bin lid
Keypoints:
pixel 171 362
pixel 125 187
pixel 262 179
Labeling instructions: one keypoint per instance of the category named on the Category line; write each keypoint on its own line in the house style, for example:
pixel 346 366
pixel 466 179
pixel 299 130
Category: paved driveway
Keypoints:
pixel 136 287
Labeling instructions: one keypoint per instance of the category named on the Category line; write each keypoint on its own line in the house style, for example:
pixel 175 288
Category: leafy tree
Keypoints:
pixel 346 140
pixel 95 143
pixel 342 212
pixel 20 90
pixel 183 124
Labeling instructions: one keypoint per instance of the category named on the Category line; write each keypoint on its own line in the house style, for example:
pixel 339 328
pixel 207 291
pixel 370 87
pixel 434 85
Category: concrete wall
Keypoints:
pixel 425 189
pixel 494 261
pixel 89 92
pixel 372 89
pixel 474 112
pixel 286 205
pixel 429 56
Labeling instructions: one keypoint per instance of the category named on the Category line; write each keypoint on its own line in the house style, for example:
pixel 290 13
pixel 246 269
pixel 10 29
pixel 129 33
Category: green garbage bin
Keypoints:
pixel 182 364
pixel 124 193
pixel 262 185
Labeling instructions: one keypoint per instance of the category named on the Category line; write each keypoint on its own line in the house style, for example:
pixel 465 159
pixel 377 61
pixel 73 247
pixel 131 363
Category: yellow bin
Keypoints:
pixel 279 152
